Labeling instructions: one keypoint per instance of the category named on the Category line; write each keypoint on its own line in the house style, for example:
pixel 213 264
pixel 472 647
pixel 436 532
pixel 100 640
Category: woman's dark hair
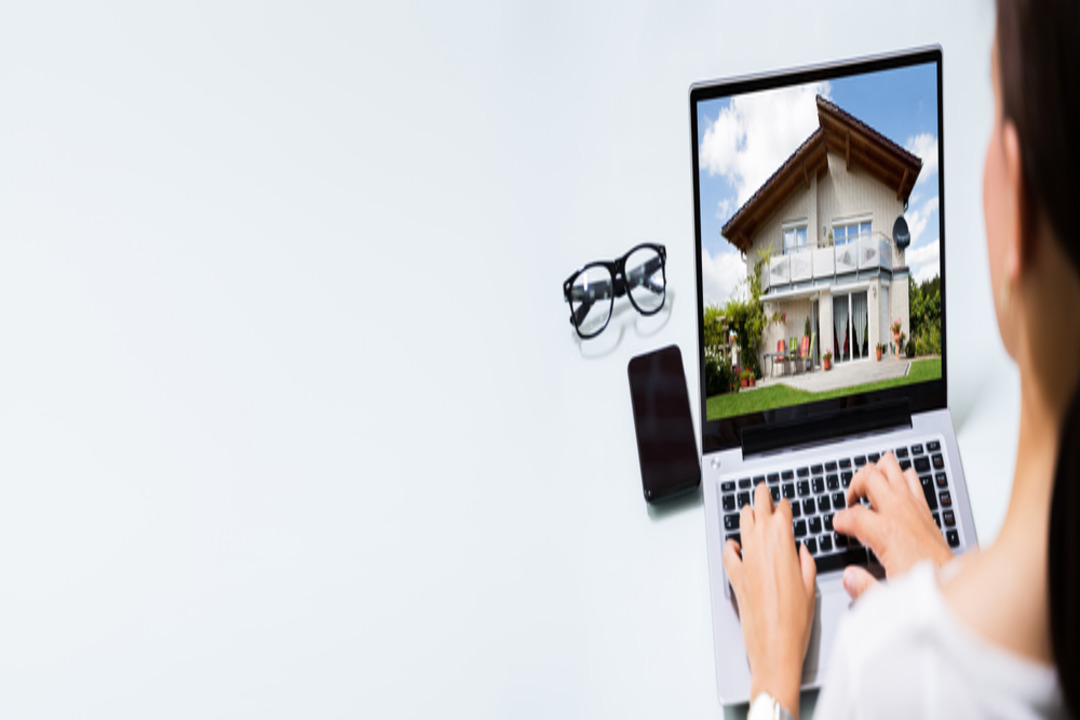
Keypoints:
pixel 1039 62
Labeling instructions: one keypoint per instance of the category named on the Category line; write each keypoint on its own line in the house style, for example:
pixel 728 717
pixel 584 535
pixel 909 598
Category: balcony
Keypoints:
pixel 868 253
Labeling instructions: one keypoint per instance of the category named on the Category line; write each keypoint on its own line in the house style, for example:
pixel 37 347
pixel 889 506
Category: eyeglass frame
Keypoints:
pixel 619 283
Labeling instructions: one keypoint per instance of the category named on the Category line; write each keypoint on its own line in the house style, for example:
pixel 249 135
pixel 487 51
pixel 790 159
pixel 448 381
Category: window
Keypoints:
pixel 794 238
pixel 850 232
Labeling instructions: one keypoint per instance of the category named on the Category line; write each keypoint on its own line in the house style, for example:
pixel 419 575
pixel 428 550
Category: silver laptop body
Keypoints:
pixel 827 184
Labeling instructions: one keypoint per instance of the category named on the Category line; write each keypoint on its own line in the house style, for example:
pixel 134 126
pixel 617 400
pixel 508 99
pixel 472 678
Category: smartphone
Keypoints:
pixel 667 448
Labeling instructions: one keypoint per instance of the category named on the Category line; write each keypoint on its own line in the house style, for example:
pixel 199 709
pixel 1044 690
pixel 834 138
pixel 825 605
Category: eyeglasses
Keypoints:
pixel 592 290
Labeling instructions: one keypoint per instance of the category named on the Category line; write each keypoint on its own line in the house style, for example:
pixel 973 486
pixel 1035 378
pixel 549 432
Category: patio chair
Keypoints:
pixel 808 356
pixel 779 357
pixel 804 351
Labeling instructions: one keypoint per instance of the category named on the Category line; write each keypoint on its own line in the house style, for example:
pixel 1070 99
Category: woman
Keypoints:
pixel 992 633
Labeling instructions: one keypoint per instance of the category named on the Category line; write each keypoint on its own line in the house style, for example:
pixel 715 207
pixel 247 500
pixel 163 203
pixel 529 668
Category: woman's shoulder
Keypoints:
pixel 901 651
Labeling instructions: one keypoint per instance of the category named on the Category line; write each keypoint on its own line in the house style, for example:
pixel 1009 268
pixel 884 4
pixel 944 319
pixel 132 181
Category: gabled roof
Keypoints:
pixel 843 135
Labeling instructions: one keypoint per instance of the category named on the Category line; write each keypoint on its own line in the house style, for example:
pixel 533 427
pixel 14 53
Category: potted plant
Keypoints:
pixel 880 348
pixel 753 380
pixel 895 327
pixel 900 344
pixel 827 359
pixel 744 379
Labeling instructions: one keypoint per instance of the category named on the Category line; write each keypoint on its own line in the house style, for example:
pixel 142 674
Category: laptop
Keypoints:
pixel 819 218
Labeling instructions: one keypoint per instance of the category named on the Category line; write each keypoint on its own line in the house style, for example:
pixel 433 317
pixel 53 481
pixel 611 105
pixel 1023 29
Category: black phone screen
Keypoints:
pixel 667 450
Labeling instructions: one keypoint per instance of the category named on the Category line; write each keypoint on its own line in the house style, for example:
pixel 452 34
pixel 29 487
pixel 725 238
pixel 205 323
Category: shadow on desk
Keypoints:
pixel 675 505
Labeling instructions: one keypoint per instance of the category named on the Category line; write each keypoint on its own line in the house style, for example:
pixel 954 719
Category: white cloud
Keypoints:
pixel 724 209
pixel 756 133
pixel 919 218
pixel 924 146
pixel 925 261
pixel 721 275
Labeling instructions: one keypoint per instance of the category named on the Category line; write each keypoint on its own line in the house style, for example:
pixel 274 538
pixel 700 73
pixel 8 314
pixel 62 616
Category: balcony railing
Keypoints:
pixel 869 252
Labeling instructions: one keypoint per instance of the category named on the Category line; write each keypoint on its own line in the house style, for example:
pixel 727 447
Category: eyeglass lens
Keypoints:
pixel 591 298
pixel 645 279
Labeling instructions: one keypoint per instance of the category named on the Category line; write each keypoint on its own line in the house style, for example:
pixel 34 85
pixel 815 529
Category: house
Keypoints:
pixel 823 221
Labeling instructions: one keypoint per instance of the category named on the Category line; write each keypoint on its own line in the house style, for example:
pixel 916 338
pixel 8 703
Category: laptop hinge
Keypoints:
pixel 859 420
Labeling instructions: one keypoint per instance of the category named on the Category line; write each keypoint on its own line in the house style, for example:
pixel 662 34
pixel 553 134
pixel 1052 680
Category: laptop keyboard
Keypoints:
pixel 817 491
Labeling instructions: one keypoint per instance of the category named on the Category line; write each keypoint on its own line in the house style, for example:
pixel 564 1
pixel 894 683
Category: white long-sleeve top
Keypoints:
pixel 901 653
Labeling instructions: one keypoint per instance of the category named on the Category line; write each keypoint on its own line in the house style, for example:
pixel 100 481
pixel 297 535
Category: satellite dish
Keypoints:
pixel 900 233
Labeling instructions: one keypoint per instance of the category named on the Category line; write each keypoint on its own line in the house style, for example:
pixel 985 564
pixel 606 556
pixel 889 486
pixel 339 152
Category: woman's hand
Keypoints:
pixel 897 526
pixel 774 588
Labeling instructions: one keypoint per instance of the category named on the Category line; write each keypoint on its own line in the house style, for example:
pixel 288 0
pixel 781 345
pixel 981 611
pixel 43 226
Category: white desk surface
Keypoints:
pixel 292 420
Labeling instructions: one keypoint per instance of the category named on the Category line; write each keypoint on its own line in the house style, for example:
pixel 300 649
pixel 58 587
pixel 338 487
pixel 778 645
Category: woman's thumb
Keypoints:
pixel 857 581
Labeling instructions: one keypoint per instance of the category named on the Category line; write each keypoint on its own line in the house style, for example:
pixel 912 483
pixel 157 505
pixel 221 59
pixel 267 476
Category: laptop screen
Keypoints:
pixel 818 200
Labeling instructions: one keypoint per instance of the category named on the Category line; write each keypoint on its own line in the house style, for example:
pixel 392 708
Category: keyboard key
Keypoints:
pixel 860 460
pixel 727 486
pixel 823 503
pixel 816 469
pixel 811 545
pixel 840 540
pixel 950 519
pixel 916 450
pixel 928 491
pixel 775 492
pixel 729 503
pixel 731 522
pixel 946 499
pixel 905 464
pixel 941 480
pixel 744 484
pixel 845 463
pixel 874 457
pixel 939 462
pixel 828 522
pixel 826 543
pixel 937 519
pixel 796 510
pixel 804 472
pixel 818 485
pixel 787 475
pixel 839 561
pixel 737 537
pixel 933 446
pixel 953 537
pixel 788 490
pixel 800 528
pixel 808 506
pixel 833 482
pixel 845 478
pixel 922 464
pixel 815 525
pixel 900 453
pixel 804 488
pixel 839 501
pixel 758 480
pixel 744 499
pixel 830 466
pixel 774 478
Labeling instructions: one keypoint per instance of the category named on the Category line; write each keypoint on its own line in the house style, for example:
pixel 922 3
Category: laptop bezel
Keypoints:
pixel 726 433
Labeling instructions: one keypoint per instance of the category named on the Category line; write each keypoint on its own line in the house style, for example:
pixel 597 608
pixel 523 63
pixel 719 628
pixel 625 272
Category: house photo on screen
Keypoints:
pixel 820 240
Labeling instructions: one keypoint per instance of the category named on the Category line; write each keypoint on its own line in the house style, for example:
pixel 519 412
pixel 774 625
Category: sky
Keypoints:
pixel 742 140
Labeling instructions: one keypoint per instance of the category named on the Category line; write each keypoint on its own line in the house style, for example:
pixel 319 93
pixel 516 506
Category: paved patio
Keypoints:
pixel 855 372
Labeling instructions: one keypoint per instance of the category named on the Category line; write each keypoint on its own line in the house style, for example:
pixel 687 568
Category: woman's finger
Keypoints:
pixel 857 581
pixel 763 500
pixel 862 523
pixel 746 520
pixel 869 482
pixel 914 485
pixel 733 564
pixel 889 465
pixel 809 569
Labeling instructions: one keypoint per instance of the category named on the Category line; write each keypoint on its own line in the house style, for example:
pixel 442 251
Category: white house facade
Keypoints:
pixel 823 224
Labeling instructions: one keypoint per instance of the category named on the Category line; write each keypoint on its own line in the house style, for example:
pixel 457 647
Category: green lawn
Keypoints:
pixel 781 395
